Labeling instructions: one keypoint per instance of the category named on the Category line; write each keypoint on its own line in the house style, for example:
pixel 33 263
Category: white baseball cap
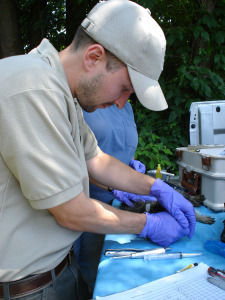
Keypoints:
pixel 128 31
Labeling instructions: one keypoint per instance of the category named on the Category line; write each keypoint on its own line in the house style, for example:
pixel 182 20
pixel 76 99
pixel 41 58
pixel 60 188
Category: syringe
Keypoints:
pixel 140 254
pixel 169 255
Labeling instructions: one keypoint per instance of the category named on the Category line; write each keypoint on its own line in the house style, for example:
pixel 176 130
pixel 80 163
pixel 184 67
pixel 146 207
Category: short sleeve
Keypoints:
pixel 37 144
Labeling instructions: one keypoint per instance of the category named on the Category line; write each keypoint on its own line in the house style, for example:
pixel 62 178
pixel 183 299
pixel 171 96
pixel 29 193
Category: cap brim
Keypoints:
pixel 148 91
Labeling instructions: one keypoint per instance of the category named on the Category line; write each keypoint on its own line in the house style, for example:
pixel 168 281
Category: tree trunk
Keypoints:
pixel 10 37
pixel 38 19
pixel 75 13
pixel 200 42
pixel 209 5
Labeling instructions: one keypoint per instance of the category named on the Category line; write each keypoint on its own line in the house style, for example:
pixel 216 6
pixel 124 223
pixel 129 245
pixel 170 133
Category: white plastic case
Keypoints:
pixel 202 171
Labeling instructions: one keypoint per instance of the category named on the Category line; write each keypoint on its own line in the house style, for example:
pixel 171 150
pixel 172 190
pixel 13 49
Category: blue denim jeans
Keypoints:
pixel 88 250
pixel 69 285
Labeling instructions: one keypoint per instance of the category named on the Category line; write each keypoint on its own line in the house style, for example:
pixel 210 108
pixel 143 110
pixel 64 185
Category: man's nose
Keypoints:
pixel 121 101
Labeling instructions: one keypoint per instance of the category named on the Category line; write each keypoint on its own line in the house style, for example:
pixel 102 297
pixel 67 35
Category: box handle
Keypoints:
pixel 191 181
pixel 178 154
pixel 206 162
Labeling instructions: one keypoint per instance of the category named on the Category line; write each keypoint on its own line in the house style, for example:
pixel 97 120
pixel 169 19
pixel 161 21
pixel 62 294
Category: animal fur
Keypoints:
pixel 155 207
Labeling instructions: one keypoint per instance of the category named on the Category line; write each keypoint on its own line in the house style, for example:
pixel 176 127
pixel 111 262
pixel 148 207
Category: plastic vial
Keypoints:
pixel 158 175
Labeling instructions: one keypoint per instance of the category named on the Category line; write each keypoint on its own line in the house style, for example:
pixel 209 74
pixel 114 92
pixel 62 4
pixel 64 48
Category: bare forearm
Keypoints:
pixel 111 172
pixel 86 214
pixel 93 181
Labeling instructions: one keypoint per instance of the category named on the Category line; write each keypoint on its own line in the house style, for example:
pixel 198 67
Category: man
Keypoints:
pixel 116 134
pixel 48 152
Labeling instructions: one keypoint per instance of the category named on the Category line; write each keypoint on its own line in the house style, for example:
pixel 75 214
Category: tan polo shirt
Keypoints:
pixel 44 143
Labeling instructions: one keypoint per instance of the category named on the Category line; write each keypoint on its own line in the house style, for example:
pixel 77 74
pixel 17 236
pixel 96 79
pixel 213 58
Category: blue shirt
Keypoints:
pixel 116 133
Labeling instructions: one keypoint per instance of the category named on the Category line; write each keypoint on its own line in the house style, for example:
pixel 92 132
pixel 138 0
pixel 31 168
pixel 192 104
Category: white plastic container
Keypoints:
pixel 202 172
pixel 207 124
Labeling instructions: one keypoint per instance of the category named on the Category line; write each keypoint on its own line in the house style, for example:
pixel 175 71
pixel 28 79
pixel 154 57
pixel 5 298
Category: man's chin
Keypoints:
pixel 90 109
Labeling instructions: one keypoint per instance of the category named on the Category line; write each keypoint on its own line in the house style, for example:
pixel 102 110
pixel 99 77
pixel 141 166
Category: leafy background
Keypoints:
pixel 194 66
pixel 194 71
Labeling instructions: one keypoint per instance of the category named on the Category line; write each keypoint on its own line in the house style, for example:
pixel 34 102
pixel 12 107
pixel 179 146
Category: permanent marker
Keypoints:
pixel 188 267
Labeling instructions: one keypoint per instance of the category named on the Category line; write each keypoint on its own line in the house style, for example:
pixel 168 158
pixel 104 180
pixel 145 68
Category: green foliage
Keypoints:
pixel 49 22
pixel 151 151
pixel 157 138
pixel 194 70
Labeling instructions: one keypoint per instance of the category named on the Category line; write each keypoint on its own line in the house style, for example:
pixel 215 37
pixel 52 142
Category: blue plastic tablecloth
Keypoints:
pixel 117 275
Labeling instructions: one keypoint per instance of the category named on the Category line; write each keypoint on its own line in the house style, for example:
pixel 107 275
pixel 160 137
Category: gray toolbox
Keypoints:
pixel 207 122
pixel 202 172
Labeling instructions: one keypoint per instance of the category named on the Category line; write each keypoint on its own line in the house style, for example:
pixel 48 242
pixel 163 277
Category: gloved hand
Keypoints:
pixel 125 197
pixel 163 229
pixel 137 165
pixel 180 208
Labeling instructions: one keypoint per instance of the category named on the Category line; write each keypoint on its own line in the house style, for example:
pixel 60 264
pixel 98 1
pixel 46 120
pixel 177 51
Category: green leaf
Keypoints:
pixel 169 94
pixel 217 58
pixel 151 164
pixel 206 89
pixel 220 37
pixel 195 84
pixel 209 20
pixel 205 36
pixel 172 116
pixel 178 100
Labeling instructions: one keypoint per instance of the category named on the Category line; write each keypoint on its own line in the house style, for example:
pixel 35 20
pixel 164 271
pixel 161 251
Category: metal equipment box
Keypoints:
pixel 202 172
pixel 207 123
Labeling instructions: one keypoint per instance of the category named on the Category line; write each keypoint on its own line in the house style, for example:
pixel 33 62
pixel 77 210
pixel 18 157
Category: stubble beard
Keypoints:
pixel 87 92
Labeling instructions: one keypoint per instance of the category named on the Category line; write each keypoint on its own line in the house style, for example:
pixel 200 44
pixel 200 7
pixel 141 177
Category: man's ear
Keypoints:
pixel 94 56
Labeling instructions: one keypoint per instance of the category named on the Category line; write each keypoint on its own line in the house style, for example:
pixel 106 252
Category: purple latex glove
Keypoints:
pixel 180 208
pixel 126 197
pixel 163 229
pixel 137 165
